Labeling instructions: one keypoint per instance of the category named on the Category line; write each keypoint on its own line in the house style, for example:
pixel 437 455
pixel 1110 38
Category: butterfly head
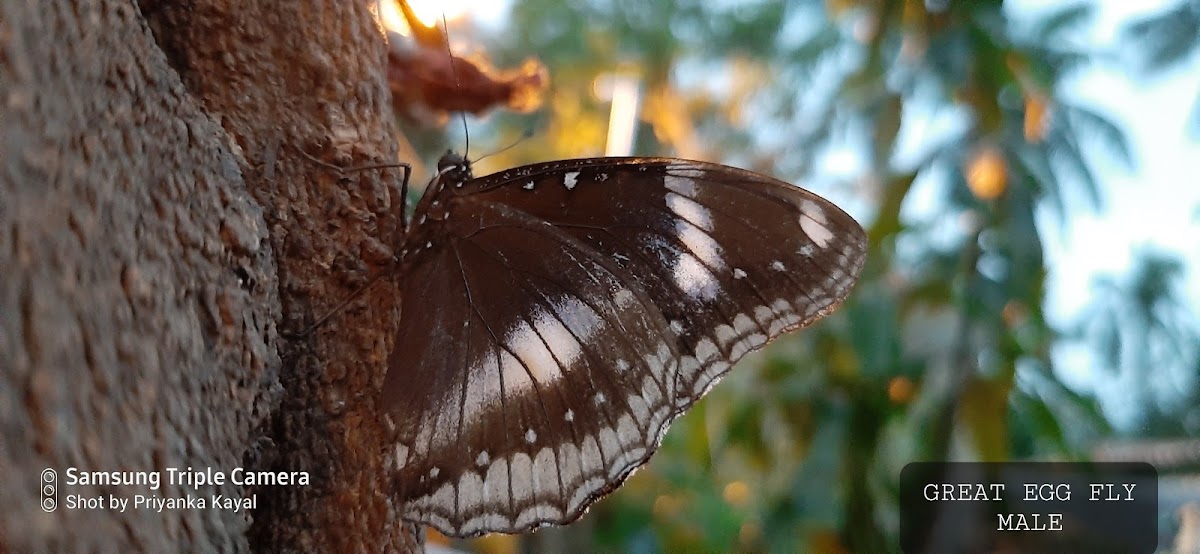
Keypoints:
pixel 453 168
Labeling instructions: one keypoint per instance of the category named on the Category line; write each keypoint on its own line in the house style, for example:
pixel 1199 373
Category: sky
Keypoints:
pixel 1154 204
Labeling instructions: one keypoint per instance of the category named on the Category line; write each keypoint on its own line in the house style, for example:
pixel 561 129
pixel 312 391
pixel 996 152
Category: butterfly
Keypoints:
pixel 557 317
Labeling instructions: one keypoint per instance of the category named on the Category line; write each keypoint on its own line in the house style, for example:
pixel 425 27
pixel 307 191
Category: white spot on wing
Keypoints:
pixel 579 318
pixel 401 455
pixel 627 431
pixel 706 350
pixel 638 407
pixel 516 381
pixel 694 278
pixel 747 344
pixel 482 459
pixel 530 436
pixel 569 465
pixel 763 315
pixel 690 210
pixel 680 184
pixel 569 416
pixel 560 340
pixel 570 179
pixel 738 273
pixel 725 334
pixel 688 366
pixel 812 221
pixel 545 472
pixel 497 479
pixel 443 497
pixel 743 324
pixel 611 447
pixel 528 346
pixel 782 306
pixel 421 443
pixel 686 170
pixel 483 387
pixel 590 455
pixel 522 479
pixel 433 472
pixel 528 186
pixel 470 491
pixel 691 273
pixel 650 390
pixel 777 265
pixel 701 244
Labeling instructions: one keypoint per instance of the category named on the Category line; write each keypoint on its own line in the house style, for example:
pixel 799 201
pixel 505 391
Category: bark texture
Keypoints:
pixel 158 227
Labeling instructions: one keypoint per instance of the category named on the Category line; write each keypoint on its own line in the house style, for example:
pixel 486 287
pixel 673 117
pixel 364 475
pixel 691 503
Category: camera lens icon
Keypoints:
pixel 49 490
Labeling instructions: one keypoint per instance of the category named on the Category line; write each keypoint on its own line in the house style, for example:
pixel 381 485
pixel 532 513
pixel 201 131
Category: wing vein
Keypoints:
pixel 503 405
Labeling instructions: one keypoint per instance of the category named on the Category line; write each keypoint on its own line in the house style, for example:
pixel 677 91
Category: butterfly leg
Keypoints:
pixel 406 169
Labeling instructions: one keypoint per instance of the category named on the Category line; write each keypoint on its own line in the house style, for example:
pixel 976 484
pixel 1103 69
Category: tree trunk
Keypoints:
pixel 160 230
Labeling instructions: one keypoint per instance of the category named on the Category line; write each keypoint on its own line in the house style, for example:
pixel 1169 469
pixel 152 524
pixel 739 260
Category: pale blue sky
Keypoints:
pixel 1153 204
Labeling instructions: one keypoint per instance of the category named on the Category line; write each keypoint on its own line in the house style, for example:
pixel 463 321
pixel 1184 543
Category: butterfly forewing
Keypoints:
pixel 556 318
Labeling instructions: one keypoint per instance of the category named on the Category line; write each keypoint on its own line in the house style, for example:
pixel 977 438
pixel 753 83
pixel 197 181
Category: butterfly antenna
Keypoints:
pixel 454 71
pixel 528 133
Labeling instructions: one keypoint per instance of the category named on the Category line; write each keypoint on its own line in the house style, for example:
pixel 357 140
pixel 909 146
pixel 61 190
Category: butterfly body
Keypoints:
pixel 557 317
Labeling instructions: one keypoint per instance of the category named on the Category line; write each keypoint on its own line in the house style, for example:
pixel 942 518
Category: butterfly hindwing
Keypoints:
pixel 556 317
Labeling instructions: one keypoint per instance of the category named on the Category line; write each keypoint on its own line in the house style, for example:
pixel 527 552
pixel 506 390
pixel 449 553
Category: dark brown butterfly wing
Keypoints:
pixel 557 317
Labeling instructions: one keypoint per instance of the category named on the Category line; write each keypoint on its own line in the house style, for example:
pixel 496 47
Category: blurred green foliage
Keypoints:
pixel 944 350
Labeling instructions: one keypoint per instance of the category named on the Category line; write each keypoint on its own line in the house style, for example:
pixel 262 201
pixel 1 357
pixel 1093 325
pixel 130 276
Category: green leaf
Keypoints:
pixel 1167 39
pixel 1085 122
pixel 1049 28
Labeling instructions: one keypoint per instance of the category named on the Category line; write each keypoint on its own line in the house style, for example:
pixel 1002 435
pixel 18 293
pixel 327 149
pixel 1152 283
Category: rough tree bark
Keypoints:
pixel 159 231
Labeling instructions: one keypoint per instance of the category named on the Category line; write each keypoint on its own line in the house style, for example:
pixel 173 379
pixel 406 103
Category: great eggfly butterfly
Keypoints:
pixel 557 317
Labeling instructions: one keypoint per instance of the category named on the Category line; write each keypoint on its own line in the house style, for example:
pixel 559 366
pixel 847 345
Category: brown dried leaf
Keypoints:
pixel 424 79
